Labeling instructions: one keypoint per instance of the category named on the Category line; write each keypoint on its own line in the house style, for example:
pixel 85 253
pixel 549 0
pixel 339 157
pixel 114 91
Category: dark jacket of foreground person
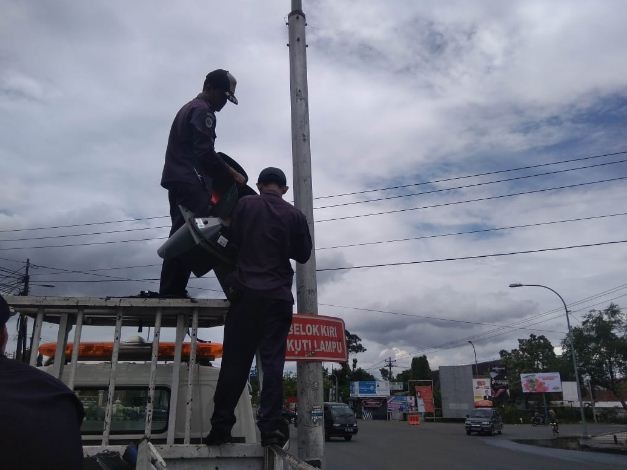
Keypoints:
pixel 40 420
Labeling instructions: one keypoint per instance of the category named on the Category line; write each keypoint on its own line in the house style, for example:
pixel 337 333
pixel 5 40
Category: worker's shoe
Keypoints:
pixel 275 438
pixel 217 438
pixel 175 295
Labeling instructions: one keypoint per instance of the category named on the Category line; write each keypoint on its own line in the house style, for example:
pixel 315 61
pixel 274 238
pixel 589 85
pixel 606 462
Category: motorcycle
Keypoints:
pixel 555 427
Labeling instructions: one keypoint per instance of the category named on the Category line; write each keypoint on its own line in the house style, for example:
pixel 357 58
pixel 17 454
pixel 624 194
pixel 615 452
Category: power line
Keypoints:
pixel 85 234
pixel 470 232
pixel 487 198
pixel 81 244
pixel 431 317
pixel 456 343
pixel 346 217
pixel 529 320
pixel 438 260
pixel 459 258
pixel 137 219
pixel 474 185
pixel 475 175
pixel 489 335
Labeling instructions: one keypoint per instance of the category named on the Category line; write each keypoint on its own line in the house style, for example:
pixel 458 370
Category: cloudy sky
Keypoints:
pixel 417 97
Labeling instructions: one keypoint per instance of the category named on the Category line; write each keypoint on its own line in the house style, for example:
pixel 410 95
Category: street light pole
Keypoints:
pixel 476 366
pixel 572 350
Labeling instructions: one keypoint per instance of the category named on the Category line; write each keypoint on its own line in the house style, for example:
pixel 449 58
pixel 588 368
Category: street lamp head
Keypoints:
pixel 516 284
pixel 470 341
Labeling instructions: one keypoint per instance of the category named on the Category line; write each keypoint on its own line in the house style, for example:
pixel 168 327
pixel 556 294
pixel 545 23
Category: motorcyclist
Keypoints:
pixel 554 422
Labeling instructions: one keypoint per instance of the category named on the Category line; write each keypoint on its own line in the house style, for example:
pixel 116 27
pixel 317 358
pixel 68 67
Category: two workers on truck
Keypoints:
pixel 268 232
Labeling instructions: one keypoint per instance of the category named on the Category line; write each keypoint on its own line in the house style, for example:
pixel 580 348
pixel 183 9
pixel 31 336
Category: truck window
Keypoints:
pixel 129 409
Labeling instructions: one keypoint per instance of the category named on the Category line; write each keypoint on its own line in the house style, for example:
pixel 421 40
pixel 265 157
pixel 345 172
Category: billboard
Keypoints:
pixel 401 404
pixel 542 382
pixel 482 393
pixel 316 338
pixel 424 399
pixel 397 386
pixel 370 388
pixel 499 384
pixel 456 390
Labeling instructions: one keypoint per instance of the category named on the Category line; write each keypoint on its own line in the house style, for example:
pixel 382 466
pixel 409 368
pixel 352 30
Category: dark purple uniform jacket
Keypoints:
pixel 190 157
pixel 40 420
pixel 269 232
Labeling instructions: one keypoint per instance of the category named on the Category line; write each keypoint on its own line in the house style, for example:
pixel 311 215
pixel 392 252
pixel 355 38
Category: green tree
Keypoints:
pixel 360 374
pixel 601 347
pixel 289 385
pixel 385 373
pixel 535 354
pixel 353 343
pixel 419 370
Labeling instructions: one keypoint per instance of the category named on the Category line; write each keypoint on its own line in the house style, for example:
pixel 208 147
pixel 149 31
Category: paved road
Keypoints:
pixel 399 446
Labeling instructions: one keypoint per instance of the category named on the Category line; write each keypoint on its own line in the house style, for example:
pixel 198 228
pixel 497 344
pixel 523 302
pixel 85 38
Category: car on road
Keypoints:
pixel 339 421
pixel 484 420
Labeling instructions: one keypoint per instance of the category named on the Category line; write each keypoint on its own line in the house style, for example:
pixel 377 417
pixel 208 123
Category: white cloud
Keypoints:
pixel 397 95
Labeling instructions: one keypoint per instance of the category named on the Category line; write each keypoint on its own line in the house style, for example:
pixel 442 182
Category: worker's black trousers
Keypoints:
pixel 175 272
pixel 253 323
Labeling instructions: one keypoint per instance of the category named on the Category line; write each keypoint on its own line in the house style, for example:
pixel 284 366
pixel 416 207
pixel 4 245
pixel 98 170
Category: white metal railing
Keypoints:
pixel 76 319
pixel 275 455
pixel 78 315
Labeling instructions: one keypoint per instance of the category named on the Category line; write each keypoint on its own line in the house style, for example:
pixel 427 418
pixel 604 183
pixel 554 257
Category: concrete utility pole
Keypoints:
pixel 390 363
pixel 310 390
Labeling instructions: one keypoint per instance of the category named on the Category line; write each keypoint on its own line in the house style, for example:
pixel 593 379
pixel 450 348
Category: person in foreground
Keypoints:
pixel 40 417
pixel 268 232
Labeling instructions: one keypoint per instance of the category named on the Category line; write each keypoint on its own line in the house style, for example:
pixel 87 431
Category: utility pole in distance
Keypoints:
pixel 22 321
pixel 389 364
pixel 309 373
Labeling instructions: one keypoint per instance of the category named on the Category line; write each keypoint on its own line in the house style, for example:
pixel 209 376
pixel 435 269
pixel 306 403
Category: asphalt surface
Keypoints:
pixel 398 446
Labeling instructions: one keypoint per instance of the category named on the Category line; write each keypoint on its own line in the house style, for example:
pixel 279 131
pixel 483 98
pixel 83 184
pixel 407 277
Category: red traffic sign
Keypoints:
pixel 316 338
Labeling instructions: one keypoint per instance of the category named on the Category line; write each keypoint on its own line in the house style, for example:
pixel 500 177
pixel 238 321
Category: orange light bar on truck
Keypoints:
pixel 99 351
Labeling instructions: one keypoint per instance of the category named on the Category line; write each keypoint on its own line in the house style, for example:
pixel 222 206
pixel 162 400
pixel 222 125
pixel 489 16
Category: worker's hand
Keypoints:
pixel 239 179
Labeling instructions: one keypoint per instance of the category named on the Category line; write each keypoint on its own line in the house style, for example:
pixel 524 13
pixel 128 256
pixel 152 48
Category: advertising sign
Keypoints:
pixel 482 393
pixel 397 386
pixel 401 404
pixel 316 338
pixel 544 382
pixel 371 388
pixel 499 384
pixel 424 399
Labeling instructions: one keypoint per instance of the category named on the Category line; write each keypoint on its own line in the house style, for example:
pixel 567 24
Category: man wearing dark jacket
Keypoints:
pixel 193 169
pixel 268 232
pixel 40 417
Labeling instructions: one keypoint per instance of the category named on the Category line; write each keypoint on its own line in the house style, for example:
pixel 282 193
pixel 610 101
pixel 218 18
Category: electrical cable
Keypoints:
pixel 527 320
pixel 136 219
pixel 85 234
pixel 487 198
pixel 347 217
pixel 474 185
pixel 474 175
pixel 459 258
pixel 470 232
